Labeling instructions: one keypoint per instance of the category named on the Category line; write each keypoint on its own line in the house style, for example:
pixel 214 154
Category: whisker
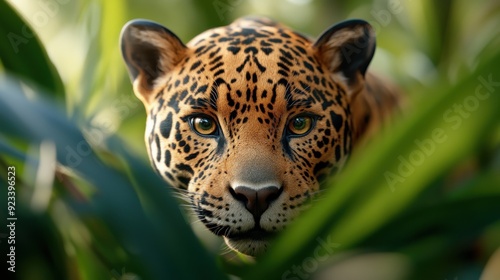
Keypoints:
pixel 226 250
pixel 228 231
pixel 196 221
pixel 188 207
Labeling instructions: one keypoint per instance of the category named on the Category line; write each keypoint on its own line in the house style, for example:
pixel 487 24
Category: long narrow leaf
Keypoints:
pixel 21 53
pixel 156 246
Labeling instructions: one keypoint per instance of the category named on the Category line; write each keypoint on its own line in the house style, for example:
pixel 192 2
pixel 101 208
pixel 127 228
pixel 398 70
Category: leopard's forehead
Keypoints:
pixel 250 43
pixel 255 59
pixel 251 36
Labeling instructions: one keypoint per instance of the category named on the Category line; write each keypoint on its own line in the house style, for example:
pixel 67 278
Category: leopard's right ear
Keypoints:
pixel 150 52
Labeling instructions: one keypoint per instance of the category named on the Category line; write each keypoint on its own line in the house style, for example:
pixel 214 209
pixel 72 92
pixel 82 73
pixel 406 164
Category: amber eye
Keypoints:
pixel 204 125
pixel 300 125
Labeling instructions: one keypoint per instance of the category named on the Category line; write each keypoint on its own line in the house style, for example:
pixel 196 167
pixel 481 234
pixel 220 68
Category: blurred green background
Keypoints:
pixel 88 205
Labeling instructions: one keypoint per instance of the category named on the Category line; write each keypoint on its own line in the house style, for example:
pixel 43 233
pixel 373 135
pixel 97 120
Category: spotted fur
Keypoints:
pixel 251 176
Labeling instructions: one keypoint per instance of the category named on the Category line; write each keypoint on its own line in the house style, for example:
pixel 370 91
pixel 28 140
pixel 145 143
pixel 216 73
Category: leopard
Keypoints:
pixel 247 120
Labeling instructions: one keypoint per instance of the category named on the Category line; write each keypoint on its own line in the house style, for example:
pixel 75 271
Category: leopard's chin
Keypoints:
pixel 250 247
pixel 253 243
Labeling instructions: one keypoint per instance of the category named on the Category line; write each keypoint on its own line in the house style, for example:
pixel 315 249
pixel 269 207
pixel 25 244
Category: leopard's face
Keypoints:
pixel 246 119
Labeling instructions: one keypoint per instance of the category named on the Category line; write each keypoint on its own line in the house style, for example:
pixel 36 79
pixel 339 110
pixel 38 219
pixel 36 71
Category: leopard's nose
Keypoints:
pixel 256 201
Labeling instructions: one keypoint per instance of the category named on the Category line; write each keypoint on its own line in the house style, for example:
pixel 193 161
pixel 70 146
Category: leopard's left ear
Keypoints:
pixel 347 48
pixel 150 52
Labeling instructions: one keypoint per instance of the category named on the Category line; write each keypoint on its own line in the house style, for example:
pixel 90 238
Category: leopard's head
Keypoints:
pixel 247 119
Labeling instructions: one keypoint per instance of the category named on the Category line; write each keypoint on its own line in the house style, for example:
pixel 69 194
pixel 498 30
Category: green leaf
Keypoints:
pixel 159 242
pixel 22 54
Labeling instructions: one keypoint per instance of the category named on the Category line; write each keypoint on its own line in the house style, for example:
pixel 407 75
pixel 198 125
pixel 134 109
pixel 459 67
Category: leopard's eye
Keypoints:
pixel 300 125
pixel 204 125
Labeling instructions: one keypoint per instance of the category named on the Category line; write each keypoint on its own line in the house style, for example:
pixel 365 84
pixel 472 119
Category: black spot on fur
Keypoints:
pixel 168 158
pixel 336 120
pixel 195 65
pixel 184 167
pixel 234 50
pixel 166 126
pixel 158 152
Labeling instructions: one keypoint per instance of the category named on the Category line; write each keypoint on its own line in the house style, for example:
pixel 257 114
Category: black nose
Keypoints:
pixel 256 201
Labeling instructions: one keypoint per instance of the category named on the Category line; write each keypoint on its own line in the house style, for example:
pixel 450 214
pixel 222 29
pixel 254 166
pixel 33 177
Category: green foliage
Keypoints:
pixel 21 51
pixel 89 206
pixel 112 215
